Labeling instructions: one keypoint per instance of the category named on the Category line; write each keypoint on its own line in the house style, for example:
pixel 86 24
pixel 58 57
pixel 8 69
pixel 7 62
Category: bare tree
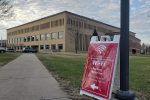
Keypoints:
pixel 6 9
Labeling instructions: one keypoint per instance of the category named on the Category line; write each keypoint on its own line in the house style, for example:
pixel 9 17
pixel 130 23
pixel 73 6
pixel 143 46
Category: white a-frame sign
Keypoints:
pixel 100 67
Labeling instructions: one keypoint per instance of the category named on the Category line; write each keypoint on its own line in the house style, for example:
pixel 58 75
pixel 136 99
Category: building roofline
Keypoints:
pixel 69 13
pixel 95 20
pixel 136 38
pixel 37 20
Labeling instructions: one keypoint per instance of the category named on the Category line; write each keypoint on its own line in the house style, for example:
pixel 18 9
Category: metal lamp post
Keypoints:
pixel 124 93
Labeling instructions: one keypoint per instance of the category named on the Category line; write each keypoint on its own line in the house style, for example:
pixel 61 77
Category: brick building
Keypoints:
pixel 64 31
pixel 134 43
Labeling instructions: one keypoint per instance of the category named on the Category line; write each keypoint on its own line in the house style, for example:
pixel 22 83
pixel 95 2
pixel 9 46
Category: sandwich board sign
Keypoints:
pixel 99 70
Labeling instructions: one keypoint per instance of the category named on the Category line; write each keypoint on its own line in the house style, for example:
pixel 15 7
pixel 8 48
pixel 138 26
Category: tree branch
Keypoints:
pixel 6 9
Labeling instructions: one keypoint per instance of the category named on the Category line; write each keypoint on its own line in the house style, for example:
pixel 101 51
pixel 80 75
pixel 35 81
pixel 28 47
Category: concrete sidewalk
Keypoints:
pixel 27 79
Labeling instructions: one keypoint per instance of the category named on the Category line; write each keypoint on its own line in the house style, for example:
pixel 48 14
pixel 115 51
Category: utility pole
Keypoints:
pixel 124 93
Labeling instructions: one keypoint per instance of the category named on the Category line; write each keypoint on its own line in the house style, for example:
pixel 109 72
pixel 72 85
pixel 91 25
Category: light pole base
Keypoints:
pixel 125 95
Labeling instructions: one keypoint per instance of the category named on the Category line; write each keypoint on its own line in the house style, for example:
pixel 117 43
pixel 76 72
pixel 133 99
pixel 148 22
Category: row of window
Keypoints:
pixel 45 47
pixel 48 36
pixel 55 23
pixel 53 47
pixel 83 24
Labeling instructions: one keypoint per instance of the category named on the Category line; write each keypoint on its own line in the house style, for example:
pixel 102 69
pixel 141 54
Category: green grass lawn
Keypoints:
pixel 70 68
pixel 7 57
pixel 140 74
pixel 67 68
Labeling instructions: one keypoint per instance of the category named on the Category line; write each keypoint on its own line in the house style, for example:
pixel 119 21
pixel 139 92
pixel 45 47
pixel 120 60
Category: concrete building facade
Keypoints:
pixel 64 31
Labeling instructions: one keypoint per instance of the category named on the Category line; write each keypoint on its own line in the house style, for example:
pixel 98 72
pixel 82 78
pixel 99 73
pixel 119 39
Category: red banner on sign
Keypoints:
pixel 99 69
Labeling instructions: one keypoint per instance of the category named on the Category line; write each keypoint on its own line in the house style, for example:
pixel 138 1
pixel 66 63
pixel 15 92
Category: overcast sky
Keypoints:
pixel 107 11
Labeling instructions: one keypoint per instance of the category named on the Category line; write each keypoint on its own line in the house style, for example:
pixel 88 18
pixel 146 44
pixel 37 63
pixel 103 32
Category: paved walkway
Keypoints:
pixel 27 79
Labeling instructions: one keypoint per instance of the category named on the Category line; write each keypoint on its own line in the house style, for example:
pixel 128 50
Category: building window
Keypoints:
pixel 53 46
pixel 25 39
pixel 47 47
pixel 19 31
pixel 54 35
pixel 63 21
pixel 77 23
pixel 37 37
pixel 85 25
pixel 21 47
pixel 60 22
pixel 36 27
pixel 60 46
pixel 19 39
pixel 56 22
pixel 47 36
pixel 81 24
pixel 68 21
pixel 45 25
pixel 52 23
pixel 30 29
pixel 22 39
pixel 32 38
pixel 42 37
pixel 33 28
pixel 16 40
pixel 73 22
pixel 41 47
pixel 8 42
pixel 60 35
pixel 28 38
pixel 16 32
pixel 27 29
pixel 12 40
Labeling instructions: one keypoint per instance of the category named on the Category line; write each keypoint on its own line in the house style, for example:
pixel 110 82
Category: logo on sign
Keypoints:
pixel 97 62
pixel 101 48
